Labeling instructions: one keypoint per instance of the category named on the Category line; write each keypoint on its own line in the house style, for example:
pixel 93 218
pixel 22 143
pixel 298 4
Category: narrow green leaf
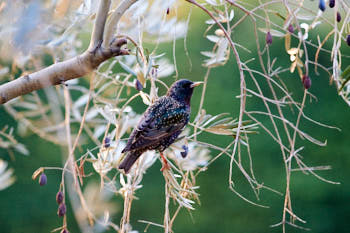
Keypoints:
pixel 279 15
pixel 345 76
pixel 139 61
pixel 127 68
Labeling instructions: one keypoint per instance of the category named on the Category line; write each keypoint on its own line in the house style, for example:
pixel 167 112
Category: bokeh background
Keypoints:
pixel 28 207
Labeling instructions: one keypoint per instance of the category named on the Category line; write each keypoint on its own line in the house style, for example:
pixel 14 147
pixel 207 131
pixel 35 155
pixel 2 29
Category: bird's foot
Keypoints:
pixel 165 165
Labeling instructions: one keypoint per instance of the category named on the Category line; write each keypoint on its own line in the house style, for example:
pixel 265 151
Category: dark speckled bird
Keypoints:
pixel 161 124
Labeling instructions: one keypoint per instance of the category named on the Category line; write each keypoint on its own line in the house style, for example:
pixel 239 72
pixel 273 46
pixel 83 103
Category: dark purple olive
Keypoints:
pixel 138 85
pixel 61 210
pixel 291 28
pixel 64 231
pixel 268 38
pixel 59 197
pixel 42 179
pixel 348 39
pixel 167 11
pixel 107 142
pixel 331 3
pixel 154 72
pixel 185 152
pixel 322 5
pixel 338 17
pixel 306 81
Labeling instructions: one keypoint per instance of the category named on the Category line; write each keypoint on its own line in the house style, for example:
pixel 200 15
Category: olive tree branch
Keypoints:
pixel 100 22
pixel 242 85
pixel 113 22
pixel 75 67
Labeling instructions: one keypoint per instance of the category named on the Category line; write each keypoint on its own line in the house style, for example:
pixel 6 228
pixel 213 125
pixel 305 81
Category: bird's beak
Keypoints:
pixel 195 84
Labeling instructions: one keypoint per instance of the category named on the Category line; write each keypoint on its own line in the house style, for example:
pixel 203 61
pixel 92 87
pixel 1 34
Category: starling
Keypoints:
pixel 161 124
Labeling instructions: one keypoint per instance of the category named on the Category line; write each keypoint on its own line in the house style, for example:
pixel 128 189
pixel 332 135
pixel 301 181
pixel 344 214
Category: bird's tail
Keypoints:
pixel 129 160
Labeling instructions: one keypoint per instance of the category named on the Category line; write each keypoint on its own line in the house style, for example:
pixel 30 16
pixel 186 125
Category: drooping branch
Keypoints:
pixel 75 67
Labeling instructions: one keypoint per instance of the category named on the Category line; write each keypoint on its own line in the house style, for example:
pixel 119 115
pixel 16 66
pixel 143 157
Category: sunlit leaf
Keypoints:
pixel 219 131
pixel 6 175
pixel 208 54
pixel 287 41
pixel 212 2
pixel 127 68
pixel 213 38
pixel 293 51
pixel 145 98
pixel 37 173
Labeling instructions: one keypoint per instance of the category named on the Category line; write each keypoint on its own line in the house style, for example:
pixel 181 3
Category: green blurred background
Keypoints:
pixel 27 207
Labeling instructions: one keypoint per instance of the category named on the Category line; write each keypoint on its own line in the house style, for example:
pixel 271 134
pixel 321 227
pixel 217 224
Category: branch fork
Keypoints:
pixel 101 48
pixel 100 54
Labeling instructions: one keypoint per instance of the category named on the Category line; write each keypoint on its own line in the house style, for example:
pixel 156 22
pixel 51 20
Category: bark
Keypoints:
pixel 102 47
pixel 60 72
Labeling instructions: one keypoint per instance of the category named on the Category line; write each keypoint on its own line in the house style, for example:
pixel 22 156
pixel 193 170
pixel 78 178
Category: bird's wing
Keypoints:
pixel 159 121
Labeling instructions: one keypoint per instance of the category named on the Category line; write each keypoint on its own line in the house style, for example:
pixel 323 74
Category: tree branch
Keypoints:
pixel 113 22
pixel 62 71
pixel 100 22
pixel 78 66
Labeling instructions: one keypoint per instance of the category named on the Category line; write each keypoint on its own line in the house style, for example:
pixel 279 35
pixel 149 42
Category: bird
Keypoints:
pixel 161 124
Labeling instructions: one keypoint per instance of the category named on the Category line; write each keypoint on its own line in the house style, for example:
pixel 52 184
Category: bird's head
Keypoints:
pixel 182 90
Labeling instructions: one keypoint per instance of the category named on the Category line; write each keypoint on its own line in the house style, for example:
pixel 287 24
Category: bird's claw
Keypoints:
pixel 165 165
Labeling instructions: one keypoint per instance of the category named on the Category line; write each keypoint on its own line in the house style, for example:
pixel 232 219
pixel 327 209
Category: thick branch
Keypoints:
pixel 62 71
pixel 101 48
